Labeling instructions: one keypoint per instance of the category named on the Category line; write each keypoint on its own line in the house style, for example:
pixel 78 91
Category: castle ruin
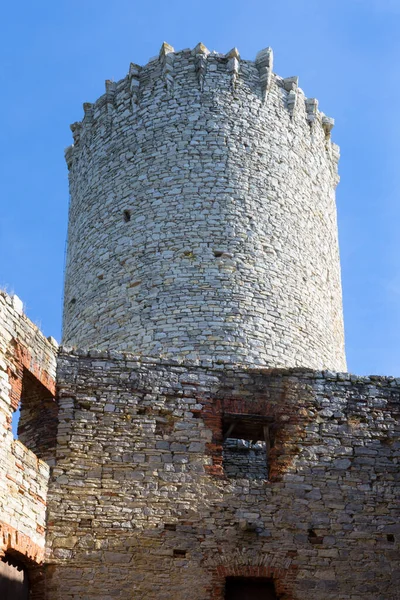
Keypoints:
pixel 197 434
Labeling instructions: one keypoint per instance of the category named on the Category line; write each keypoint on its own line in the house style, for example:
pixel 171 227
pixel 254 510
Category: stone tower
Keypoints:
pixel 202 222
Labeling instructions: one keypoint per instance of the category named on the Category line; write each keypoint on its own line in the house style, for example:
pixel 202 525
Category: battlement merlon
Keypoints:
pixel 170 70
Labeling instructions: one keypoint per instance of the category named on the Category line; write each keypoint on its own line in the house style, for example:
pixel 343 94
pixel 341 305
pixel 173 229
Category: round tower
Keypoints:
pixel 202 222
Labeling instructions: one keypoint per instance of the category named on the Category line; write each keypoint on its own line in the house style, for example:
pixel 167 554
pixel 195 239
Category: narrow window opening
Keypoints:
pixel 127 215
pixel 390 537
pixel 38 418
pixel 247 442
pixel 14 422
pixel 179 553
pixel 73 301
pixel 170 526
pixel 249 588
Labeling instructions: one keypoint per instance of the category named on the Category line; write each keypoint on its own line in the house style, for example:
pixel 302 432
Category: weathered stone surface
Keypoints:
pixel 203 223
pixel 174 523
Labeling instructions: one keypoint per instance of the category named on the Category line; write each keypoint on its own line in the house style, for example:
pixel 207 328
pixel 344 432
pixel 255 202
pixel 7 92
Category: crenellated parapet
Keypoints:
pixel 199 71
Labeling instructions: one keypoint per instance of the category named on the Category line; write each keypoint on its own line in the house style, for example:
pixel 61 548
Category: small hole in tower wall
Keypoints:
pixel 127 215
pixel 85 522
pixel 390 537
pixel 14 578
pixel 179 553
pixel 311 534
pixel 313 538
pixel 72 301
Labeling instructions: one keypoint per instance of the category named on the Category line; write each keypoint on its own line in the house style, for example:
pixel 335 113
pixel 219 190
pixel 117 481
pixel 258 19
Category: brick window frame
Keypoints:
pixel 26 377
pixel 283 579
pixel 267 396
pixel 15 542
pixel 218 413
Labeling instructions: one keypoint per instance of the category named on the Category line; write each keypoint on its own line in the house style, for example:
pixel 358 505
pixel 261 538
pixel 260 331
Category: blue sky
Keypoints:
pixel 56 55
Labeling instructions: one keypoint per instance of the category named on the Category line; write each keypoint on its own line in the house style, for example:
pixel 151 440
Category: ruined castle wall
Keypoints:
pixel 140 506
pixel 202 222
pixel 24 352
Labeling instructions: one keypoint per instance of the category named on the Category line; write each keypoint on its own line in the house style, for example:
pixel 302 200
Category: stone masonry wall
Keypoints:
pixel 202 222
pixel 24 352
pixel 140 507
pixel 241 457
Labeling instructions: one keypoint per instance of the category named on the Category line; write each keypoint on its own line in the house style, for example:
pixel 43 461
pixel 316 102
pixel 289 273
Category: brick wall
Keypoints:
pixel 25 356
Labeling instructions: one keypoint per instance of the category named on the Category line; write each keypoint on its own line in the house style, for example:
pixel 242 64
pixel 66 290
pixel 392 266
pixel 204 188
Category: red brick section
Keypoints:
pixel 283 579
pixel 37 428
pixel 14 541
pixel 24 491
pixel 21 358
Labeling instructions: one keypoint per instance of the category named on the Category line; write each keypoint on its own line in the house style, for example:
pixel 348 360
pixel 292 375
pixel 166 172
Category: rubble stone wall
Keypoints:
pixel 202 222
pixel 140 506
pixel 23 476
pixel 241 457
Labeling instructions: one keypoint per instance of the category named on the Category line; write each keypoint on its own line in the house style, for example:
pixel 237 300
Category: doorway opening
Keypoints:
pixel 14 580
pixel 249 588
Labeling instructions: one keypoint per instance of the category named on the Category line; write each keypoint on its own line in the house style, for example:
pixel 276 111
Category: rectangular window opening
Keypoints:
pixel 247 442
pixel 35 421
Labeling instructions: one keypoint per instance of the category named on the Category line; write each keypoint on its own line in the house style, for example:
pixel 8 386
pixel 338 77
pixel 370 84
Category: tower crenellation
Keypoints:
pixel 116 92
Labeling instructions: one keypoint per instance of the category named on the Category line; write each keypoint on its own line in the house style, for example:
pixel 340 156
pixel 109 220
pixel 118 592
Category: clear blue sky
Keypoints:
pixel 56 55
